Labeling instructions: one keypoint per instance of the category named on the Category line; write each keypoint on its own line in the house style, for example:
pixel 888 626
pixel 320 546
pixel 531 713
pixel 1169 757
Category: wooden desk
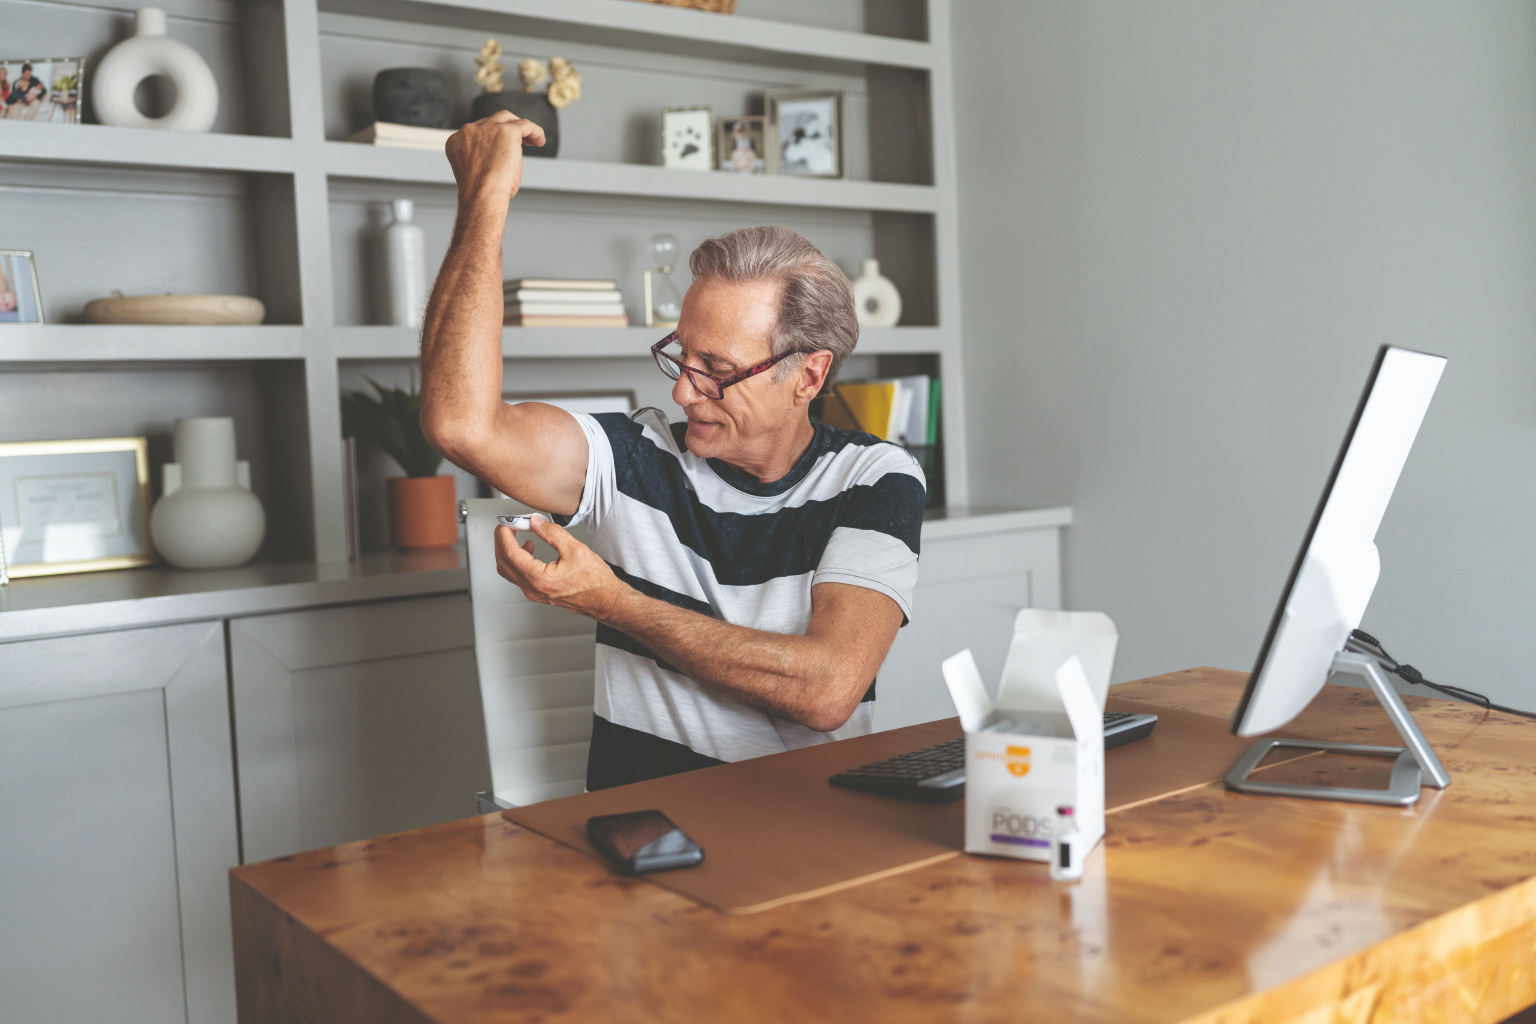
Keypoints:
pixel 1204 906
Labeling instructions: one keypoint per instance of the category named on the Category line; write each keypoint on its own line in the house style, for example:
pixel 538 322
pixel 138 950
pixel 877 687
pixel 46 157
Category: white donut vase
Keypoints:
pixel 149 53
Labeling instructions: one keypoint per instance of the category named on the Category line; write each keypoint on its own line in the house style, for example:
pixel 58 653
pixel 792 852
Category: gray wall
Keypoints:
pixel 1186 227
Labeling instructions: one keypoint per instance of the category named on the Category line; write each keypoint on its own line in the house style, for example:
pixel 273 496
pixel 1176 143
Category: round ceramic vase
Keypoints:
pixel 210 521
pixel 150 52
pixel 413 96
pixel 876 302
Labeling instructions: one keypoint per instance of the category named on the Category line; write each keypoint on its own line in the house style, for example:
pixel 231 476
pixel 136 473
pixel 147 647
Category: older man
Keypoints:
pixel 748 569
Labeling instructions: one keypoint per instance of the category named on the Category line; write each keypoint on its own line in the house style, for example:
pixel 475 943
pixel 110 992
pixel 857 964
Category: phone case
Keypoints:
pixel 642 841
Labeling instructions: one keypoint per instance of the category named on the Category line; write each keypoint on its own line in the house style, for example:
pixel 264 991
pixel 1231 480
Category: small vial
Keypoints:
pixel 1067 847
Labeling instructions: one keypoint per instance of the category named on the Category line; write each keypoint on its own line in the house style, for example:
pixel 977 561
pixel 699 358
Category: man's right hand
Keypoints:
pixel 487 157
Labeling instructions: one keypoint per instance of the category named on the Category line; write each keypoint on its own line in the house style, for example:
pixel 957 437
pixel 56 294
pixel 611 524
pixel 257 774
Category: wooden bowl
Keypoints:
pixel 175 309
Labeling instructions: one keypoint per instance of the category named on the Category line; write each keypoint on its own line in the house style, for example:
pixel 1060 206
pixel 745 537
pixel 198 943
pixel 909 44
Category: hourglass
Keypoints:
pixel 663 302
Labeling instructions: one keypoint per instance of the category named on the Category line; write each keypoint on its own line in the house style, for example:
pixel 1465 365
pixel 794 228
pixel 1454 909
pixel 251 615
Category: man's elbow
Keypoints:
pixel 830 712
pixel 450 435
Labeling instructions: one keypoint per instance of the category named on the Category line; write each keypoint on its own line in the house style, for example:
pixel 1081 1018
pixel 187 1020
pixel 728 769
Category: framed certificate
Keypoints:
pixel 74 506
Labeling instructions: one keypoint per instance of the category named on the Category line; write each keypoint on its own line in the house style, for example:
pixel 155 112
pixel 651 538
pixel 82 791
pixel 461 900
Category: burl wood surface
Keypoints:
pixel 1202 906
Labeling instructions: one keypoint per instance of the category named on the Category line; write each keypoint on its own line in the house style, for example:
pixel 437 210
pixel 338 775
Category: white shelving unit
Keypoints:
pixel 279 176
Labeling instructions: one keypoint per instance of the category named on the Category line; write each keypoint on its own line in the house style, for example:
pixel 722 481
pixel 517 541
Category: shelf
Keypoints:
pixel 699 33
pixel 87 602
pixel 159 595
pixel 383 163
pixel 599 342
pixel 145 147
pixel 66 343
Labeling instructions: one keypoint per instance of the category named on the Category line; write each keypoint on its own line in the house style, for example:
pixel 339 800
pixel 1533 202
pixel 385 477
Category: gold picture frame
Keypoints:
pixel 87 485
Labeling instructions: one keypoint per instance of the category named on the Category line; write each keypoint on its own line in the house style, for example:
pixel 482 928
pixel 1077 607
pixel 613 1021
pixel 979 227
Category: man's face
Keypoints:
pixel 726 327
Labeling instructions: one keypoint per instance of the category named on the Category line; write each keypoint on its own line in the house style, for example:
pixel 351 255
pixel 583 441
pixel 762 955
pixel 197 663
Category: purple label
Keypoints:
pixel 1019 840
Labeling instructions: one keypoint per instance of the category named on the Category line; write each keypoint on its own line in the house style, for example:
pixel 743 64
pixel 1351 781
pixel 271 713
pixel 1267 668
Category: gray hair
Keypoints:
pixel 816 306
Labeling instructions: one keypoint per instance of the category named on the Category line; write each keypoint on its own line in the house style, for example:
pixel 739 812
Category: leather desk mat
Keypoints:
pixel 774 831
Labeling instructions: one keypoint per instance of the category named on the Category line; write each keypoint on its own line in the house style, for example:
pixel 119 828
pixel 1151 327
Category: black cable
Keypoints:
pixel 1362 642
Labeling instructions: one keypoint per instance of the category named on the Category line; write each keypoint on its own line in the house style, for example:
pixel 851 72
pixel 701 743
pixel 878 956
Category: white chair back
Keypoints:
pixel 535 665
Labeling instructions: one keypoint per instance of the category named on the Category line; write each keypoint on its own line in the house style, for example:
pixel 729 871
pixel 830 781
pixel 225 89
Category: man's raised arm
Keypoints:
pixel 535 453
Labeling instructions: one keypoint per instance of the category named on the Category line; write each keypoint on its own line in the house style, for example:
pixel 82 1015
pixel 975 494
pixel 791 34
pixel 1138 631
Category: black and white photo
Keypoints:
pixel 805 132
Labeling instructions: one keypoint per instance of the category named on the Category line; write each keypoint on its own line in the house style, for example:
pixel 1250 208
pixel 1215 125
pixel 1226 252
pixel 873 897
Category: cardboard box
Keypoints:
pixel 1034 759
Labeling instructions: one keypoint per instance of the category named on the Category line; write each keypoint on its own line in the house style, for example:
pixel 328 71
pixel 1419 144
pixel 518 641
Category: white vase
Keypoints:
pixel 151 52
pixel 207 517
pixel 405 256
pixel 876 302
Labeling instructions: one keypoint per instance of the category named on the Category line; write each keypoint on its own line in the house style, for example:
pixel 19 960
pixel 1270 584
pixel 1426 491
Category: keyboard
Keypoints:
pixel 936 774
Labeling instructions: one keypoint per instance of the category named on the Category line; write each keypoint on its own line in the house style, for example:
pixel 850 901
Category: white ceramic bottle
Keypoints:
pixel 151 52
pixel 207 518
pixel 405 255
pixel 876 302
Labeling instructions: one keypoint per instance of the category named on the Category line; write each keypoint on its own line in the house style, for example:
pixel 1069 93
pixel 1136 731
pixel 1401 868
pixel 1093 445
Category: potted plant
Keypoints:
pixel 422 510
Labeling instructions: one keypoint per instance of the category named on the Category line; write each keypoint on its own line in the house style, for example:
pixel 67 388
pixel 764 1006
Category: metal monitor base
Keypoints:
pixel 1414 760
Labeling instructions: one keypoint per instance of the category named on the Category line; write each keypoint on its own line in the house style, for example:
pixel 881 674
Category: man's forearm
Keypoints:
pixel 801 678
pixel 461 336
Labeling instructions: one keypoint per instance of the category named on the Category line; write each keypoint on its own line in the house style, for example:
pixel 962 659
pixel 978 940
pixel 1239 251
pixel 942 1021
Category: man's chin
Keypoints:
pixel 704 439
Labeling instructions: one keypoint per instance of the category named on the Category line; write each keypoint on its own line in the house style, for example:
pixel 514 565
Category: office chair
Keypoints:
pixel 535 664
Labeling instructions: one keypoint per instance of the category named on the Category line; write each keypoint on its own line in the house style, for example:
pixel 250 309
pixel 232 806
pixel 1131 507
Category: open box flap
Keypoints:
pixel 1042 641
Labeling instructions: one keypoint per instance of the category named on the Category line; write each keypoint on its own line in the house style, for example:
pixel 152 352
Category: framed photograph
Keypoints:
pixel 42 89
pixel 805 132
pixel 75 506
pixel 688 138
pixel 21 302
pixel 739 145
pixel 579 401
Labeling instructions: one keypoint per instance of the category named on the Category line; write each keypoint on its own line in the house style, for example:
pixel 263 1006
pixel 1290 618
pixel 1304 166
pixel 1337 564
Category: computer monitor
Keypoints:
pixel 1333 578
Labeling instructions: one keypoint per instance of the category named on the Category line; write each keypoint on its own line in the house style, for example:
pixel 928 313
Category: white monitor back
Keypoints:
pixel 535 665
pixel 1334 575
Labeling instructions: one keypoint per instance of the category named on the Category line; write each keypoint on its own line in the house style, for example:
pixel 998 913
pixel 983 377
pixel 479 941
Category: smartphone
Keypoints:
pixel 642 841
pixel 516 522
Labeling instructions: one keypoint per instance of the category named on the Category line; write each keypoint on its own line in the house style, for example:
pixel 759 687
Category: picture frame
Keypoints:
pixel 596 401
pixel 75 506
pixel 42 89
pixel 804 135
pixel 688 138
pixel 740 145
pixel 21 300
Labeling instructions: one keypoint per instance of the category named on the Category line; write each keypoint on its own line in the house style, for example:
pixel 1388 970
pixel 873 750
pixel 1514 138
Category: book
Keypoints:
pixel 564 309
pixel 402 136
pixel 566 321
pixel 349 497
pixel 913 426
pixel 560 295
pixel 558 284
pixel 935 394
pixel 862 405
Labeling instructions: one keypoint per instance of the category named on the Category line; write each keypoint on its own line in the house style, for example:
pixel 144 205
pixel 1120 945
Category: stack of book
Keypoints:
pixel 562 302
pixel 402 136
pixel 900 409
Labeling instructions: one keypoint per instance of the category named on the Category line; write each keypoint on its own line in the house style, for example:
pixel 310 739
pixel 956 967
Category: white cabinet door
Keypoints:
pixel 968 591
pixel 355 721
pixel 117 826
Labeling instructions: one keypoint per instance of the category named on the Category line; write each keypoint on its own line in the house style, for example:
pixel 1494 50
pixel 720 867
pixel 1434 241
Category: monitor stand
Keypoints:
pixel 1413 760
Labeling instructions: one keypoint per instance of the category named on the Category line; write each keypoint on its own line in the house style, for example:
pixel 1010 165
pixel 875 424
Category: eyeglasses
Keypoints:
pixel 708 385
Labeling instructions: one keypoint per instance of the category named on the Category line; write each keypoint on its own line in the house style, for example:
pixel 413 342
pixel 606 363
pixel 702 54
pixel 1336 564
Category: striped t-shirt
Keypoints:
pixel 704 535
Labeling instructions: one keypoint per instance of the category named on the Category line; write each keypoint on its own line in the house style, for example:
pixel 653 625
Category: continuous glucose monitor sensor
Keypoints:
pixel 1331 584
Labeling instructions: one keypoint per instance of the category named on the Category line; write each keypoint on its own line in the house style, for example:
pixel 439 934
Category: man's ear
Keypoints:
pixel 814 368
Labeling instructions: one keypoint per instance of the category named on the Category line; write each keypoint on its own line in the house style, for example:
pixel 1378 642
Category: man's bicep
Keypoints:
pixel 857 620
pixel 538 455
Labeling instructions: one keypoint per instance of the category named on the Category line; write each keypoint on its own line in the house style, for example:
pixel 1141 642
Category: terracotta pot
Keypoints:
pixel 422 511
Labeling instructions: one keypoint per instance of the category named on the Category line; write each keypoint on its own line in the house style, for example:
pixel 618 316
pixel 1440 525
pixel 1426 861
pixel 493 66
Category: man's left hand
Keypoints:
pixel 577 580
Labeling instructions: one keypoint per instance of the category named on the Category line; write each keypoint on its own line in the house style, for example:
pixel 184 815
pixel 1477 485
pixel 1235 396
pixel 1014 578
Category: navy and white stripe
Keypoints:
pixel 703 535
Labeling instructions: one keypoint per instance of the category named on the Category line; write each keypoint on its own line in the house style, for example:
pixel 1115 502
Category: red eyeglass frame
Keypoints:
pixel 721 383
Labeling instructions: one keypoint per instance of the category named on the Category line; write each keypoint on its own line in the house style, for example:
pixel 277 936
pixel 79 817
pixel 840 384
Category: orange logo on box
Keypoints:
pixel 1017 759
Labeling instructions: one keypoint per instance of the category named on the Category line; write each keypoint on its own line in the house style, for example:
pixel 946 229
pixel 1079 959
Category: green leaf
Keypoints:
pixel 392 420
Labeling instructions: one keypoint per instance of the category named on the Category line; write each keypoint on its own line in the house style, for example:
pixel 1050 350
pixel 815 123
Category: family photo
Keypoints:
pixel 46 89
pixel 20 302
pixel 740 145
